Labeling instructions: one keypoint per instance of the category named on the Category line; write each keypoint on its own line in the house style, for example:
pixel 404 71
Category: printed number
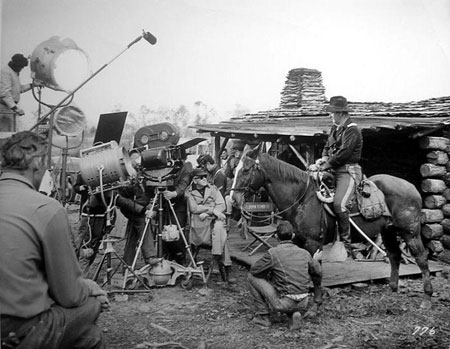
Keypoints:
pixel 421 330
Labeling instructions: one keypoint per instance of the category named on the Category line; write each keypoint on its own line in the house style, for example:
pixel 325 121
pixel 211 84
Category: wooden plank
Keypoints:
pixel 334 273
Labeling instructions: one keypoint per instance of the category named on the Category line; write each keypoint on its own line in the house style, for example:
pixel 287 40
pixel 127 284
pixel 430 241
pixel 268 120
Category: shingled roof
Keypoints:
pixel 302 113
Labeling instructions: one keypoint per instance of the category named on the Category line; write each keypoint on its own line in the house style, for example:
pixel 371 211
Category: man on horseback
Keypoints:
pixel 341 154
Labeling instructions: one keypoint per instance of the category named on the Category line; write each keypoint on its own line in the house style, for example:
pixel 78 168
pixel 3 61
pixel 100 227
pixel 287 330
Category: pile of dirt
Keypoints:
pixel 217 316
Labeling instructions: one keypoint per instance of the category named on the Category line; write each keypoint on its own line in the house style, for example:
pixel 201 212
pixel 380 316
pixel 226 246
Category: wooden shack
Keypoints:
pixel 408 140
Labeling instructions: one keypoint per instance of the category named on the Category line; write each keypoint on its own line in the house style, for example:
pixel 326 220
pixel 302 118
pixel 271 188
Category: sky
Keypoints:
pixel 229 53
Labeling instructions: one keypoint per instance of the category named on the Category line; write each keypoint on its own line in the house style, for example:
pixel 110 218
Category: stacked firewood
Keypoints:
pixel 435 188
pixel 304 90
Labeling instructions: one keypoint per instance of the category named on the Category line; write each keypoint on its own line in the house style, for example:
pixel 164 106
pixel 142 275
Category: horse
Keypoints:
pixel 293 191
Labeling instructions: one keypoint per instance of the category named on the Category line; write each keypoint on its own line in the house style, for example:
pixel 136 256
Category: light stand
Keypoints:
pixel 146 35
pixel 38 66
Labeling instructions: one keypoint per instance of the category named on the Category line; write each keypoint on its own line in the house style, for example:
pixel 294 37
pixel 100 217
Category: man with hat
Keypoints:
pixel 216 174
pixel 207 206
pixel 10 90
pixel 341 154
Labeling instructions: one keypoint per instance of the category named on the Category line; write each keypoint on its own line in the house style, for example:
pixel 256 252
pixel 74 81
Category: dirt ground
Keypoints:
pixel 219 317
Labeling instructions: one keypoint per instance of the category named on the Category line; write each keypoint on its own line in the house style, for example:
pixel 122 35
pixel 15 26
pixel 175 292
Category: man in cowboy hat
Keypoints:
pixel 341 154
pixel 10 90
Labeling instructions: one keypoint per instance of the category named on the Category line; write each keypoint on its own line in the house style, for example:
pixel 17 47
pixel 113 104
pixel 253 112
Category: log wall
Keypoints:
pixel 435 187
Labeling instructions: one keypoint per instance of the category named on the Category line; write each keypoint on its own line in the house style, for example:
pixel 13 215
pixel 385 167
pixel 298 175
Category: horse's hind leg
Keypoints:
pixel 417 249
pixel 394 253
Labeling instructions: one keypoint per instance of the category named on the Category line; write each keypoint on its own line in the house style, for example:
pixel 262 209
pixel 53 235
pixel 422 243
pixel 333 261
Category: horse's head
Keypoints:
pixel 248 177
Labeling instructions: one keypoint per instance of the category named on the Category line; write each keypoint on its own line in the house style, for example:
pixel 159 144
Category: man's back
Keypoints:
pixel 289 266
pixel 28 239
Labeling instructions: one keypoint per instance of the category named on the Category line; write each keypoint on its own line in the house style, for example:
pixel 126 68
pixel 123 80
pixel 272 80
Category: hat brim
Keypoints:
pixel 331 109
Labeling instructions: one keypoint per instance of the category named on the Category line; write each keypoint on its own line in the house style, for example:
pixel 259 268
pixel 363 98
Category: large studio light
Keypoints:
pixel 59 64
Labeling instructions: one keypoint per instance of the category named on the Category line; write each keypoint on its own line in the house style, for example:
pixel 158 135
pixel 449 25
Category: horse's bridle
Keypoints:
pixel 248 188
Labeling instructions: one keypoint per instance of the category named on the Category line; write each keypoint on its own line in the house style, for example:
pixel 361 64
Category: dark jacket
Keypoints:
pixel 218 178
pixel 132 201
pixel 288 267
pixel 344 144
pixel 181 182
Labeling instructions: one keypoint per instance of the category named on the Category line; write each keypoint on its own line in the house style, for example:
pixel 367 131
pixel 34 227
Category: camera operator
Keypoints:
pixel 44 300
pixel 175 250
pixel 132 201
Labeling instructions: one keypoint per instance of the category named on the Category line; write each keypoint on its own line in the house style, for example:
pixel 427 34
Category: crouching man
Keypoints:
pixel 289 269
pixel 44 300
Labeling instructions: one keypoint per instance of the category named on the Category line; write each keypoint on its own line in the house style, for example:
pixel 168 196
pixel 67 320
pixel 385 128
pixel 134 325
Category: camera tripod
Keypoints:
pixel 165 273
pixel 109 252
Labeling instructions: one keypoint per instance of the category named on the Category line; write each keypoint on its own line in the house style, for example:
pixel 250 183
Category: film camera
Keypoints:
pixel 154 161
pixel 156 158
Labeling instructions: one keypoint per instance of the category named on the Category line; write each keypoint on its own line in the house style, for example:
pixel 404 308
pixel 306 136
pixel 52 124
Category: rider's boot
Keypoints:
pixel 344 232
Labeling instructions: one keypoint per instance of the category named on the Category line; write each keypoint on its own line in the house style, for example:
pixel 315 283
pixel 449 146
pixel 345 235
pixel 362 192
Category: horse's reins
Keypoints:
pixel 249 189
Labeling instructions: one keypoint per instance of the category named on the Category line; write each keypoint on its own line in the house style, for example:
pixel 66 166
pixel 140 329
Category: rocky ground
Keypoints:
pixel 219 317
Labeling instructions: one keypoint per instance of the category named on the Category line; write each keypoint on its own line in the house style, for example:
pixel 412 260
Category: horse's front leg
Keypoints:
pixel 420 254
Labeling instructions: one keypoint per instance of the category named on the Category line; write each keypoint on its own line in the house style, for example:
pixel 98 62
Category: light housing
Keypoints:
pixel 59 64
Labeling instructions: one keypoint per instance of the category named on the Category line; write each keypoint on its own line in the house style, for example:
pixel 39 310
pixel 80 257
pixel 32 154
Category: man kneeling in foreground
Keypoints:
pixel 44 300
pixel 290 269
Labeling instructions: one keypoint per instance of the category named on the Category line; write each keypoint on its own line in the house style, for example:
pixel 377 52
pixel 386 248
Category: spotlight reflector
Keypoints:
pixel 59 64
pixel 109 160
pixel 70 121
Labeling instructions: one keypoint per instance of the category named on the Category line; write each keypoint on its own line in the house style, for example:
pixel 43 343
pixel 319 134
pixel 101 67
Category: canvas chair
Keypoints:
pixel 261 223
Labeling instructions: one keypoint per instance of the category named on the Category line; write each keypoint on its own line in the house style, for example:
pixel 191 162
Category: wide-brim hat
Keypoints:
pixel 199 172
pixel 337 104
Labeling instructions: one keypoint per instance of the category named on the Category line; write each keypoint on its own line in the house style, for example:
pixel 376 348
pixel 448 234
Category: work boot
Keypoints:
pixel 223 273
pixel 343 220
pixel 261 320
pixel 217 259
pixel 295 321
pixel 229 279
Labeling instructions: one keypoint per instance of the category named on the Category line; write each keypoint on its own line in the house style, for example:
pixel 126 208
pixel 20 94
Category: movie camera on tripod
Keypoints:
pixel 154 162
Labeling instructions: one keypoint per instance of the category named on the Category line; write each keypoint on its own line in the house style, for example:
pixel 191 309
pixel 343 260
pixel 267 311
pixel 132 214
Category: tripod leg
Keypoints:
pixel 131 270
pixel 186 245
pixel 97 271
pixel 138 250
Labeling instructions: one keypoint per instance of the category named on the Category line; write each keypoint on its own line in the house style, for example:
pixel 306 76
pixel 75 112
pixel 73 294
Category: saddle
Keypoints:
pixel 370 200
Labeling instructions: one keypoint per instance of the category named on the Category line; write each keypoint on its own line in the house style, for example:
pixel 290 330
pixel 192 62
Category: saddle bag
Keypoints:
pixel 371 202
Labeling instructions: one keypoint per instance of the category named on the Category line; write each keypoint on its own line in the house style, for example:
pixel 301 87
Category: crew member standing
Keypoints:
pixel 341 154
pixel 10 90
pixel 176 250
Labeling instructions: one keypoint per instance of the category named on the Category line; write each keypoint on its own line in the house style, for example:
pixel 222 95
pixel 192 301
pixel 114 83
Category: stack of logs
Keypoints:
pixel 436 195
